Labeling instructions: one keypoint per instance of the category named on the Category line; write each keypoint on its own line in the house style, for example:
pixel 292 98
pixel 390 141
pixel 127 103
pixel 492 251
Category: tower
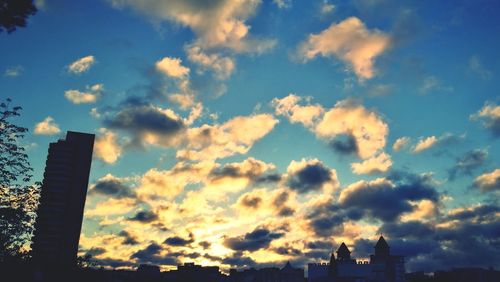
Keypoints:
pixel 343 253
pixel 382 249
pixel 64 189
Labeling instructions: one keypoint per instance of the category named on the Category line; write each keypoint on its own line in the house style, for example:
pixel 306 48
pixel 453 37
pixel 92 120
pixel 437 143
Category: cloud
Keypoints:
pixel 376 164
pixel 283 4
pixel 425 144
pixel 147 123
pixel 144 217
pixel 310 175
pixel 179 241
pixel 172 67
pixel 400 143
pixel 106 147
pixel 428 246
pixel 295 113
pixel 152 254
pixel 363 130
pixel 385 199
pixel 216 23
pixel 110 185
pixel 47 127
pixel 112 206
pixel 445 140
pixel 488 181
pixel 477 67
pixel 469 162
pixel 433 83
pixel 349 41
pixel 236 136
pixel 222 66
pixel 490 115
pixel 259 238
pixel 253 169
pixel 81 65
pixel 128 239
pixel 345 144
pixel 13 71
pixel 326 8
pixel 366 127
pixel 91 94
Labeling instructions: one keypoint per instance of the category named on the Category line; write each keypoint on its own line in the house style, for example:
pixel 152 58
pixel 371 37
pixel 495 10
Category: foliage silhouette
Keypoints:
pixel 18 201
pixel 13 14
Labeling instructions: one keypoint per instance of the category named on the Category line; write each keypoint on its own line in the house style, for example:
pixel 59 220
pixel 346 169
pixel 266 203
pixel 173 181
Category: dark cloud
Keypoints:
pixel 205 244
pixel 286 211
pixel 112 187
pixel 95 251
pixel 253 170
pixel 309 178
pixel 467 237
pixel 179 241
pixel 320 245
pixel 144 217
pixel 382 200
pixel 251 201
pixel 255 240
pixel 128 238
pixel 468 163
pixel 287 250
pixel 139 118
pixel 151 254
pixel 239 259
pixel 345 145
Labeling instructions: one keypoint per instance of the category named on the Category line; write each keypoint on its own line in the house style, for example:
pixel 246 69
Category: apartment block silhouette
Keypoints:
pixel 64 189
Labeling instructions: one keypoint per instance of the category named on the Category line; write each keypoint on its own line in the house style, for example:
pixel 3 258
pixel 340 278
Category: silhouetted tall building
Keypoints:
pixel 64 189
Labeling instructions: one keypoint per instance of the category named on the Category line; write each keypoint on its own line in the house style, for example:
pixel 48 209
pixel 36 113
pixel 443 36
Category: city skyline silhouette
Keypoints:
pixel 250 137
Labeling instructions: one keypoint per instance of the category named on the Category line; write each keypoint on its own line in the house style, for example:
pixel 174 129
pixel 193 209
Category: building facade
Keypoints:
pixel 382 267
pixel 64 189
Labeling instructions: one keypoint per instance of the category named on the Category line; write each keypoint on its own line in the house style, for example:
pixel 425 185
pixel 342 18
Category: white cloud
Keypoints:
pixel 13 71
pixel 216 23
pixel 106 146
pixel 351 42
pixel 81 65
pixel 90 96
pixel 432 83
pixel 172 67
pixel 290 108
pixel 326 8
pixel 490 114
pixel 236 136
pixel 377 164
pixel 47 127
pixel 365 126
pixel 425 144
pixel 400 143
pixel 283 4
pixel 476 66
pixel 222 66
pixel 488 181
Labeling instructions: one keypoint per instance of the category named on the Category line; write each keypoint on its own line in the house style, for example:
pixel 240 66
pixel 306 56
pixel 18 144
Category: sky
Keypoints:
pixel 255 132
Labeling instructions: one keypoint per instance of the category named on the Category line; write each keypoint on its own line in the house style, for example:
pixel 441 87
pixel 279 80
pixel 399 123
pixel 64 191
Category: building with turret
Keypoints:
pixel 382 267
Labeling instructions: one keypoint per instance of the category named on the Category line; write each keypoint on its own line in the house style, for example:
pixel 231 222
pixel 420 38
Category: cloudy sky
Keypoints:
pixel 255 132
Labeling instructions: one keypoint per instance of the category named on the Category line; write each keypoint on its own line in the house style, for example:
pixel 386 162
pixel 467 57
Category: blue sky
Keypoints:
pixel 206 113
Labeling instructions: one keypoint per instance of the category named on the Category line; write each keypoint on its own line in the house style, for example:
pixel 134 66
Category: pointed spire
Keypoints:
pixel 343 252
pixel 382 248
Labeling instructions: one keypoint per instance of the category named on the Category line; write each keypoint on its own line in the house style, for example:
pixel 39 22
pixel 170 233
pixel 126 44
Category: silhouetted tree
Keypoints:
pixel 13 13
pixel 18 200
